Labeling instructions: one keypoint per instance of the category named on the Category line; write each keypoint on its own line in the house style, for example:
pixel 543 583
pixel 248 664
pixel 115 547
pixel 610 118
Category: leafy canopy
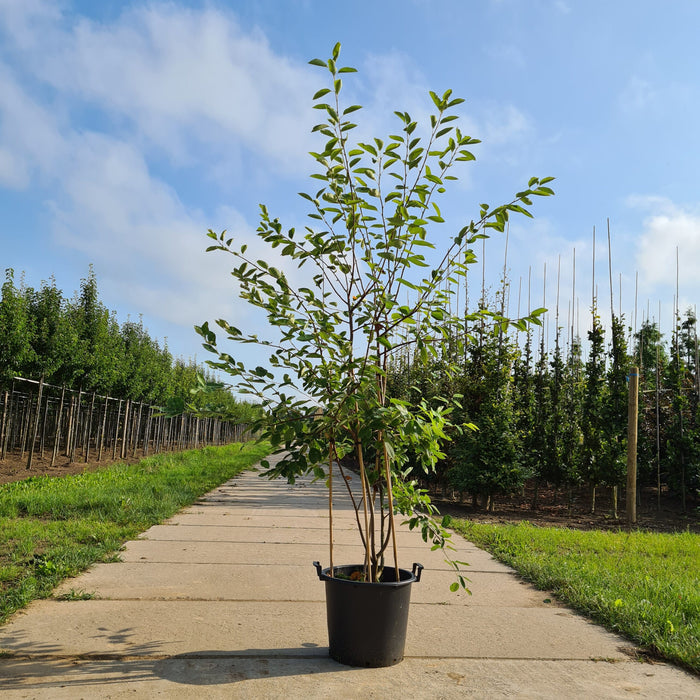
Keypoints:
pixel 381 269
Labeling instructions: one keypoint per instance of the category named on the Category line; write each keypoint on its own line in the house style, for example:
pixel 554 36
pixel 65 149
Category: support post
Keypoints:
pixel 37 418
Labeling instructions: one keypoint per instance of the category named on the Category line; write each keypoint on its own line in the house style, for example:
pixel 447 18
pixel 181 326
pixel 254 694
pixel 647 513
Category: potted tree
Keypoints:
pixel 376 282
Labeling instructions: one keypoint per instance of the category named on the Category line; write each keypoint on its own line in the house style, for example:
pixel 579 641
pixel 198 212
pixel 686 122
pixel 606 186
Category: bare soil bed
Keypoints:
pixel 554 510
pixel 14 468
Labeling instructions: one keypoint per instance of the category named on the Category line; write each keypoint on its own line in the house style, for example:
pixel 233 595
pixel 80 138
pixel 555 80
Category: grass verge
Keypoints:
pixel 53 528
pixel 643 585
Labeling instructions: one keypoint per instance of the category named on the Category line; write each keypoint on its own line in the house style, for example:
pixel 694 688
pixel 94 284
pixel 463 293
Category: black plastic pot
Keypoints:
pixel 367 621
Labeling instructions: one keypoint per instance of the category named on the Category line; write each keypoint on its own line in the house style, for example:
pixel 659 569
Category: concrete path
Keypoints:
pixel 222 601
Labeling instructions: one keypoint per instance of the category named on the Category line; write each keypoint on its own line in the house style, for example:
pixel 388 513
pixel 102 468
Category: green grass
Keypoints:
pixel 53 528
pixel 643 585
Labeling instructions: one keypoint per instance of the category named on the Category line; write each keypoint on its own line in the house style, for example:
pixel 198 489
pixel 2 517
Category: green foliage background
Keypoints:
pixel 79 343
pixel 551 416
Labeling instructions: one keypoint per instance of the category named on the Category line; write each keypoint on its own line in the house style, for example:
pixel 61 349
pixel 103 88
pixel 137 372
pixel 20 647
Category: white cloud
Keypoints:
pixel 29 134
pixel 667 228
pixel 182 79
pixel 637 95
pixel 505 124
pixel 397 83
pixel 163 79
pixel 26 20
pixel 13 172
pixel 136 230
pixel 507 53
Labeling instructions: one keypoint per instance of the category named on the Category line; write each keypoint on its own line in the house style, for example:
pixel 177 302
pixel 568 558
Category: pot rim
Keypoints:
pixel 413 575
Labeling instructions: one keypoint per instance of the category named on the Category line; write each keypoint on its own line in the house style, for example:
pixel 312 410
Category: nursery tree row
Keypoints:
pixel 78 343
pixel 557 416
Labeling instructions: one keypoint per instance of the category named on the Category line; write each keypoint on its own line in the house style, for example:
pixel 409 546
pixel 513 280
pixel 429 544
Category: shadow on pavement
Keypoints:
pixel 204 668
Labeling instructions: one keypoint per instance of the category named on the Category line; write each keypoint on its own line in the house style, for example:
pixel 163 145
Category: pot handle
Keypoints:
pixel 417 570
pixel 318 570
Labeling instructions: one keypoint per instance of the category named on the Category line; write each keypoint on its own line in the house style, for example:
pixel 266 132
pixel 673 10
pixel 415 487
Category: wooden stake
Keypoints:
pixel 57 434
pixel 102 429
pixel 36 422
pixel 76 425
pixel 330 505
pixel 636 288
pixel 4 424
pixel 88 429
pixel 125 430
pixel 116 431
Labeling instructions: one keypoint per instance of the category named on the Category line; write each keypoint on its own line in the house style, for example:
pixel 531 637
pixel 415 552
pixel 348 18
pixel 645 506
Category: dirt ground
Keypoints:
pixel 12 468
pixel 553 508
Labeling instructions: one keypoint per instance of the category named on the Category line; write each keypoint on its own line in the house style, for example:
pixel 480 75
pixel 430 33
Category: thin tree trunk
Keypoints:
pixel 76 425
pixel 125 430
pixel 102 430
pixel 57 433
pixel 116 431
pixel 37 418
pixel 88 429
pixel 4 430
pixel 44 422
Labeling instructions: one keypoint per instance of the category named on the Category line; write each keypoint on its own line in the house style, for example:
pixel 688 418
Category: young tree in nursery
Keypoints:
pixel 615 411
pixel 682 449
pixel 55 340
pixel 212 399
pixel 145 367
pixel 524 404
pixel 593 414
pixel 486 460
pixel 573 383
pixel 99 361
pixel 690 350
pixel 556 428
pixel 538 443
pixel 378 280
pixel 654 402
pixel 16 332
pixel 414 379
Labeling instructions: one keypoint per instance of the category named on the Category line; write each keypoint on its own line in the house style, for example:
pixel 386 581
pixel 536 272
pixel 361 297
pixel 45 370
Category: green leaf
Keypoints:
pixel 317 62
pixel 321 93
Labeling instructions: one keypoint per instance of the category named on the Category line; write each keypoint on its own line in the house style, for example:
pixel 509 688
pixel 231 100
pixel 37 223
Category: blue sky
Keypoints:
pixel 127 129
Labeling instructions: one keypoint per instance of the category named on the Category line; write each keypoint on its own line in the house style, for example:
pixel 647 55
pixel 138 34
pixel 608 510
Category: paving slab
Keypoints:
pixel 316 678
pixel 222 601
pixel 217 581
pixel 254 534
pixel 99 628
pixel 198 551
